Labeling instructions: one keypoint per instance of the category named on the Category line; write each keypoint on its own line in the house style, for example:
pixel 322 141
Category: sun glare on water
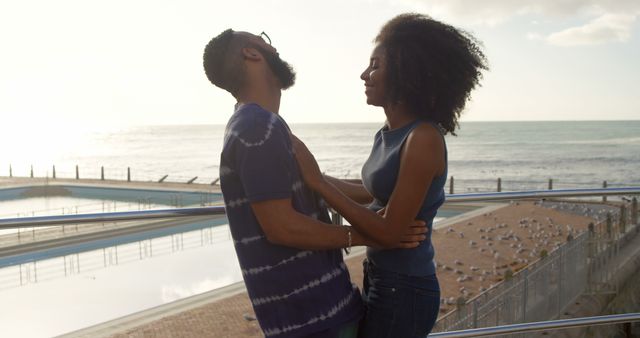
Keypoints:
pixel 42 144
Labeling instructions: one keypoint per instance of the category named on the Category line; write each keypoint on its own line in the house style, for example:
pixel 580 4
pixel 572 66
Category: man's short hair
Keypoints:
pixel 222 63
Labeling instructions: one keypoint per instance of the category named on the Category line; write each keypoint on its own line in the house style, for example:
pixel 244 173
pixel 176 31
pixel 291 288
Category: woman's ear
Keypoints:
pixel 251 54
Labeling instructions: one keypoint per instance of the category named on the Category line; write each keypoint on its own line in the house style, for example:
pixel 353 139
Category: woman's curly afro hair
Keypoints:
pixel 431 67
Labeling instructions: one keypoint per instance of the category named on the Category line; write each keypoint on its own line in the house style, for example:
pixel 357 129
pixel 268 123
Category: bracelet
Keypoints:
pixel 347 249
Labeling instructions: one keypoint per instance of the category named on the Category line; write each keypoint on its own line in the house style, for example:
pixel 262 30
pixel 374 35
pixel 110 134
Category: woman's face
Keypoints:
pixel 374 78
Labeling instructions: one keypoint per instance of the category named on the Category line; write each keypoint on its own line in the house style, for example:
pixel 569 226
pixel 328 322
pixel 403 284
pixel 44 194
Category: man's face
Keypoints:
pixel 280 68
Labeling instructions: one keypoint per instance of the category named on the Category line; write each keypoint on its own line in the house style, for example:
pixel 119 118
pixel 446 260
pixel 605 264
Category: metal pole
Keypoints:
pixel 10 171
pixel 128 174
pixel 499 184
pixel 451 186
pixel 604 186
pixel 77 173
pixel 102 173
pixel 336 218
pixel 560 276
pixel 540 326
pixel 551 184
pixel 54 171
pixel 475 313
pixel 623 219
pixel 31 171
pixel 634 211
pixel 525 294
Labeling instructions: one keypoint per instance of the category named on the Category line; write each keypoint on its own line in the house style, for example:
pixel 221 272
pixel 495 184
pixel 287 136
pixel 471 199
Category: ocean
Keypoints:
pixel 524 155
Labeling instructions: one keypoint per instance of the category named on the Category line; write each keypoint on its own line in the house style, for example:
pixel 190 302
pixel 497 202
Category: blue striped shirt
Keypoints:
pixel 293 292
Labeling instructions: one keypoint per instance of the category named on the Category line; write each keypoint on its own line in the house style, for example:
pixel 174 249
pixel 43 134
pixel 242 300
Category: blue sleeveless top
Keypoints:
pixel 379 176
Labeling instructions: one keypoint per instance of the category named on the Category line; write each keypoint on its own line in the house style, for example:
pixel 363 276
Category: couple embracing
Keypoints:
pixel 421 72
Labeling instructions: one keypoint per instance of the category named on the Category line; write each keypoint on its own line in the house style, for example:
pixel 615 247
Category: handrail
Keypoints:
pixel 541 326
pixel 501 196
pixel 8 223
pixel 39 221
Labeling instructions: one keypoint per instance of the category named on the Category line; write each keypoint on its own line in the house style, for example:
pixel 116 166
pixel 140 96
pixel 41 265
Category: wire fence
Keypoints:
pixel 544 289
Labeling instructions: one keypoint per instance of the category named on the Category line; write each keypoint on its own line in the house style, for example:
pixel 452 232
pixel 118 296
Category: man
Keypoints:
pixel 288 250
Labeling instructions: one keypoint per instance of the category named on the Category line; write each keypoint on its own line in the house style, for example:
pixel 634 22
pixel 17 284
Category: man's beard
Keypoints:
pixel 280 68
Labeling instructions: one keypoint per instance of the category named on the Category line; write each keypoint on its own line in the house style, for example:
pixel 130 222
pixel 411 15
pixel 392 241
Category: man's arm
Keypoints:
pixel 283 225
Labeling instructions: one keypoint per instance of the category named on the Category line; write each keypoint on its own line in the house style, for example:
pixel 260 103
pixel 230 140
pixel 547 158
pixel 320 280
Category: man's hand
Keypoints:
pixel 307 163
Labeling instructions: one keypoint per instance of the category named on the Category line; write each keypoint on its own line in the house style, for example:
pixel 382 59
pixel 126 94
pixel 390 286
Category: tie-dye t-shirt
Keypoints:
pixel 293 292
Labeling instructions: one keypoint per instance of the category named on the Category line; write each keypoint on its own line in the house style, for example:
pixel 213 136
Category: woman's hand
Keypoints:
pixel 307 163
pixel 413 237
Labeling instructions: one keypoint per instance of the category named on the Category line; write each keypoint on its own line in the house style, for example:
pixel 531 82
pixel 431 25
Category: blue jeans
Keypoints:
pixel 398 305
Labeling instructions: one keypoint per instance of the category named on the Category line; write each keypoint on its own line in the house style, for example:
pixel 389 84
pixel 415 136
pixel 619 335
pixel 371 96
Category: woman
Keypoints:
pixel 421 73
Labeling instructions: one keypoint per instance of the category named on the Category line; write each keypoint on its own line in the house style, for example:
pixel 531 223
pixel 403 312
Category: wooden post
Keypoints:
pixel 31 171
pixel 551 184
pixel 10 171
pixel 128 174
pixel 634 211
pixel 499 184
pixel 451 186
pixel 604 185
pixel 77 173
pixel 54 171
pixel 102 173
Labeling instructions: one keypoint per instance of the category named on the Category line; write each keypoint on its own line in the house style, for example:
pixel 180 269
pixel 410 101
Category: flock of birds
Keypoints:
pixel 511 246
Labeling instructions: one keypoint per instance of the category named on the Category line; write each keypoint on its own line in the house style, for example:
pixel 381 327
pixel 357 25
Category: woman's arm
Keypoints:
pixel 355 191
pixel 421 160
pixel 283 225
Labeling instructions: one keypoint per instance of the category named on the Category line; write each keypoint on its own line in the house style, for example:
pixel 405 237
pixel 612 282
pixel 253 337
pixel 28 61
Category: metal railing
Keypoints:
pixel 545 288
pixel 8 223
pixel 541 326
pixel 219 210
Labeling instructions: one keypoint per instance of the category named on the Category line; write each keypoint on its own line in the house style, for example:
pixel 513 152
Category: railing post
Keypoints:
pixel 77 173
pixel 499 184
pixel 451 186
pixel 31 171
pixel 475 314
pixel 560 276
pixel 10 171
pixel 623 219
pixel 54 171
pixel 634 211
pixel 336 218
pixel 525 294
pixel 604 185
pixel 102 173
pixel 128 174
pixel 551 184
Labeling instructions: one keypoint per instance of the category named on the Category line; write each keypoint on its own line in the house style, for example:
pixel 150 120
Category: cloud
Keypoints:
pixel 493 12
pixel 606 20
pixel 606 28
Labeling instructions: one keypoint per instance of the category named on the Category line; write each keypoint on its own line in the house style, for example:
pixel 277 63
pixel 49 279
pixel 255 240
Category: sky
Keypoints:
pixel 82 63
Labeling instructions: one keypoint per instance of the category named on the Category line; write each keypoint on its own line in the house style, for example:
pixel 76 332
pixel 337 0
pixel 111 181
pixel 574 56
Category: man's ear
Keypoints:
pixel 251 54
